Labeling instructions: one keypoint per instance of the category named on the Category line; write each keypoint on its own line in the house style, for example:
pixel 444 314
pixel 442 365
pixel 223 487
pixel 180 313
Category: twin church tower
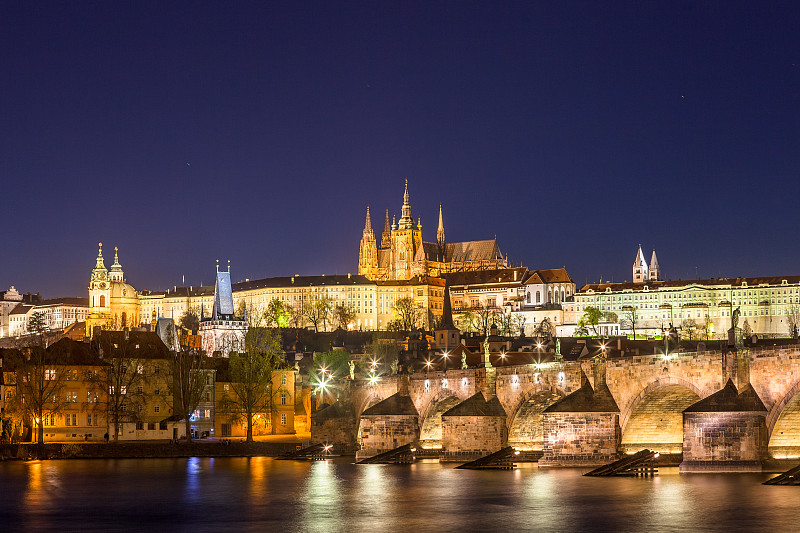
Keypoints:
pixel 642 271
pixel 402 254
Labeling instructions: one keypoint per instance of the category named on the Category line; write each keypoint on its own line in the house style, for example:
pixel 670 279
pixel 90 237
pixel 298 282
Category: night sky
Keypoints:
pixel 258 132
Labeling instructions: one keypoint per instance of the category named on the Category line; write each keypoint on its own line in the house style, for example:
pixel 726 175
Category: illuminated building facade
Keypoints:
pixel 702 308
pixel 113 304
pixel 402 254
pixel 223 332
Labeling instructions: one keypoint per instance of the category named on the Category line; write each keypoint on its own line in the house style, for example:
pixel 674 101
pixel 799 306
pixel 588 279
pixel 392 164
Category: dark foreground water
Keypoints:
pixel 262 494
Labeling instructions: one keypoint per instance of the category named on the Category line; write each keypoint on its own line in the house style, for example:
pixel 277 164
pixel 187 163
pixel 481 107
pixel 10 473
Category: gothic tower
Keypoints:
pixel 386 236
pixel 406 239
pixel 368 251
pixel 440 233
pixel 640 270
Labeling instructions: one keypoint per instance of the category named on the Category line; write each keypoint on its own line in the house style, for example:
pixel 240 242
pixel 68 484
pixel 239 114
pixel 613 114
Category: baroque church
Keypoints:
pixel 113 304
pixel 402 254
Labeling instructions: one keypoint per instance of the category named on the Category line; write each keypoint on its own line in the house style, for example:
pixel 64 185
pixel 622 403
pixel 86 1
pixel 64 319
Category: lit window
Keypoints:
pixel 283 419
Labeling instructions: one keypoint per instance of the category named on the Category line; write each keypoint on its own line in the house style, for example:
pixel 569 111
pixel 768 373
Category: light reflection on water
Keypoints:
pixel 262 494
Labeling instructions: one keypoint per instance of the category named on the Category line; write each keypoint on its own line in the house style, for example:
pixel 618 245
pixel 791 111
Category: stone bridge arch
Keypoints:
pixel 654 417
pixel 431 421
pixel 525 430
pixel 365 395
pixel 783 425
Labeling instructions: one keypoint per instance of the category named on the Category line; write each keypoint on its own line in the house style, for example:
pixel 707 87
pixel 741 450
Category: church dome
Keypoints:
pixel 120 289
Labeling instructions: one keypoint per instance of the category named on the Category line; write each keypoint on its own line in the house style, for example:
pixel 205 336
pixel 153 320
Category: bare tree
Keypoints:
pixel 629 319
pixel 317 311
pixel 122 380
pixel 343 315
pixel 251 377
pixel 407 313
pixel 295 315
pixel 484 317
pixel 189 369
pixel 689 326
pixel 41 378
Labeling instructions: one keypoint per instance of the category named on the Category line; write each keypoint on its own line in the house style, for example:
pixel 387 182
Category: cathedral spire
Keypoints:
pixel 440 231
pixel 368 224
pixel 386 237
pixel 406 221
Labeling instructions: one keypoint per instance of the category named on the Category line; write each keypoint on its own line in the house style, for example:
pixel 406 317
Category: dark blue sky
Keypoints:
pixel 187 132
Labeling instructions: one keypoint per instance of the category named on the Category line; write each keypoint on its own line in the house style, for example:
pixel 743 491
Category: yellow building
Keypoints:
pixel 76 411
pixel 113 304
pixel 276 419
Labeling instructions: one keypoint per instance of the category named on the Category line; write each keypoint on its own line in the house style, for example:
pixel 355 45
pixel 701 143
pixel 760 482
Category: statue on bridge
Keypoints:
pixel 734 339
pixel 558 349
pixel 463 360
pixel 352 366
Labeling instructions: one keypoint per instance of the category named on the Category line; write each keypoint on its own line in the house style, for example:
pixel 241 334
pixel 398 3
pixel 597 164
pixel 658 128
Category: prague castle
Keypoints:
pixel 403 254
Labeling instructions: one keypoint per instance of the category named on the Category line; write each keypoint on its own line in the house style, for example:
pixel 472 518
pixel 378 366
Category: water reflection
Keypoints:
pixel 192 487
pixel 263 494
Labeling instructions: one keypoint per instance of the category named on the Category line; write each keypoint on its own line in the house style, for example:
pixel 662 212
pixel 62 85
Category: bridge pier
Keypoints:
pixel 725 432
pixel 582 429
pixel 389 424
pixel 474 428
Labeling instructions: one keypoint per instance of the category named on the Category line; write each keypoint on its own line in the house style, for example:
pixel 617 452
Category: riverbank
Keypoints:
pixel 144 450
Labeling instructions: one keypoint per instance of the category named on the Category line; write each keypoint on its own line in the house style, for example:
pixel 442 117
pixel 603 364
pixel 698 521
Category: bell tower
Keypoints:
pixel 99 294
pixel 640 270
pixel 406 240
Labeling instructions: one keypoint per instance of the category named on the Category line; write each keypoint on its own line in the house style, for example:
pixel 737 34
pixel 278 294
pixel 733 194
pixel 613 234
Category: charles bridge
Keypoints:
pixel 721 410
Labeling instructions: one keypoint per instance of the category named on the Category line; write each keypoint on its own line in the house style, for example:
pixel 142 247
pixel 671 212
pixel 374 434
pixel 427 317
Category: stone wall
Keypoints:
pixel 580 439
pixel 729 441
pixel 381 433
pixel 465 438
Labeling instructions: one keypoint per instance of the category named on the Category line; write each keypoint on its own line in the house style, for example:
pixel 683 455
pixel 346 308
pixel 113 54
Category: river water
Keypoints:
pixel 263 494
